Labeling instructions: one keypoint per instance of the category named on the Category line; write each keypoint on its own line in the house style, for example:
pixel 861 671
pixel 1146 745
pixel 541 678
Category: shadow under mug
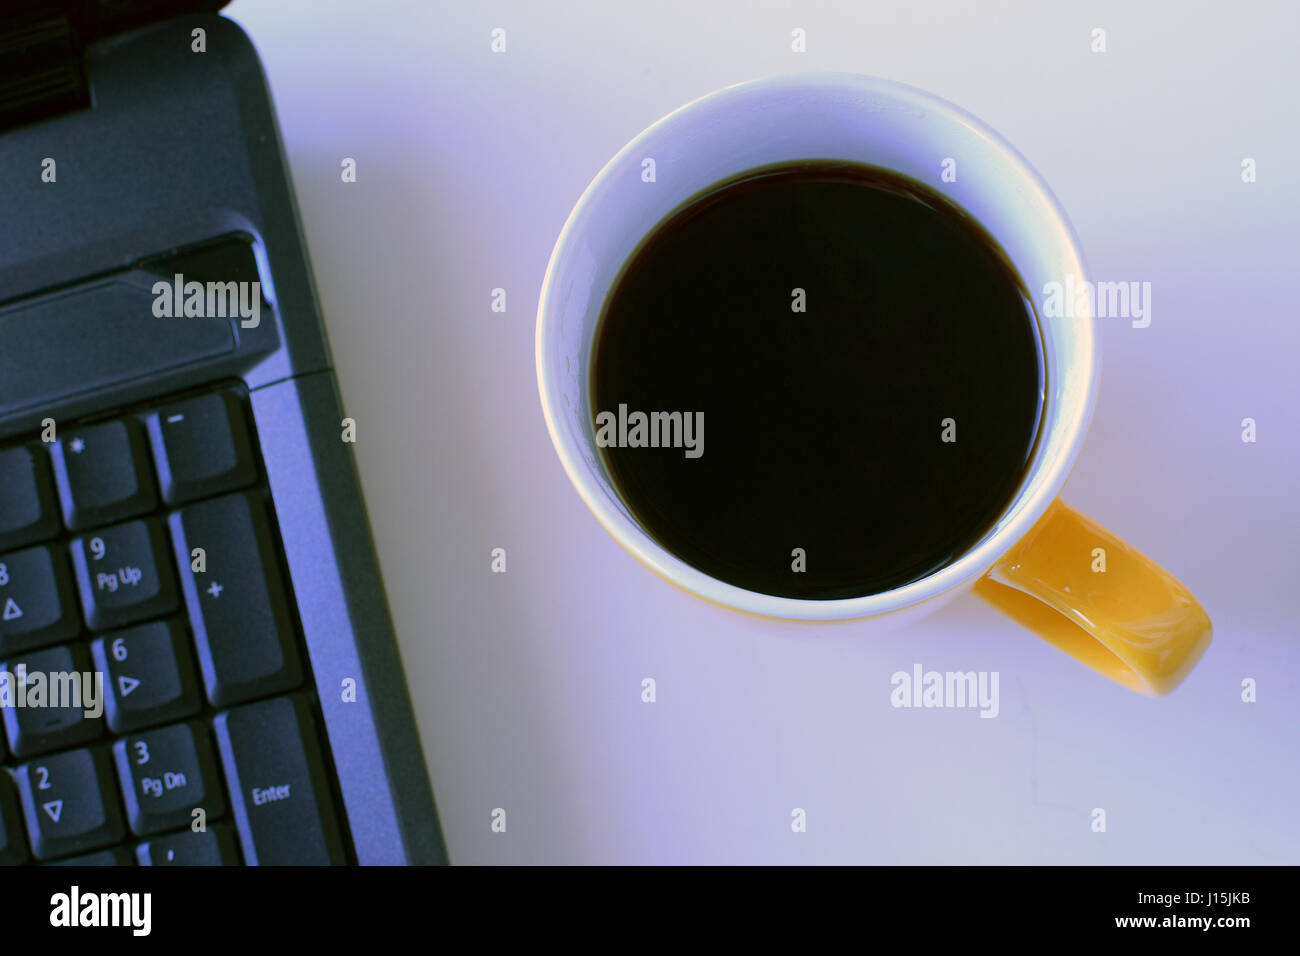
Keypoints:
pixel 1123 616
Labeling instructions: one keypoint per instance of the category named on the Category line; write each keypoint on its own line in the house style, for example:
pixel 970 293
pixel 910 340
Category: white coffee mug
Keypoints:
pixel 1023 562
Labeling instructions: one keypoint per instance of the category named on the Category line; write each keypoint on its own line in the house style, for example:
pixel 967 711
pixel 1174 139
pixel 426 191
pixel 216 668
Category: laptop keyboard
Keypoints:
pixel 143 548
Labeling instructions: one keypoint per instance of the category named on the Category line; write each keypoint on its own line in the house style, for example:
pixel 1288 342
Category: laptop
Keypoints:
pixel 197 661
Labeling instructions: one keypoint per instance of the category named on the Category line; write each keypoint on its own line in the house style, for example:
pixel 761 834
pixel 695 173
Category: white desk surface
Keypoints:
pixel 527 684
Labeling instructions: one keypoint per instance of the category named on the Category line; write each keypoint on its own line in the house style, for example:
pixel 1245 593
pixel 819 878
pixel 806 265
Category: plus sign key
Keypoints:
pixel 243 631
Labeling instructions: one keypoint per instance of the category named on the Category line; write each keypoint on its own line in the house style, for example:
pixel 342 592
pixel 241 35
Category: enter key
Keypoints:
pixel 282 802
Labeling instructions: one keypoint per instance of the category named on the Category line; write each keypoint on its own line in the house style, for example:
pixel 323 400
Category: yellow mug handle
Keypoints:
pixel 1103 602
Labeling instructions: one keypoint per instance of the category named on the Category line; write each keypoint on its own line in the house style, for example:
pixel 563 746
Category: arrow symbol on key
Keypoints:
pixel 126 685
pixel 54 808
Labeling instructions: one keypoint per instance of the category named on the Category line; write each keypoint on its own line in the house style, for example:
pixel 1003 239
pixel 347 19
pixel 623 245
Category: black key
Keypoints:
pixel 165 775
pixel 149 675
pixel 28 509
pixel 214 846
pixel 103 474
pixel 242 628
pixel 277 784
pixel 201 448
pixel 124 574
pixel 13 846
pixel 36 603
pixel 70 803
pixel 117 856
pixel 56 675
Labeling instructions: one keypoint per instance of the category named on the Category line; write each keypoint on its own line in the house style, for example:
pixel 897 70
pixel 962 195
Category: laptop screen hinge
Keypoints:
pixel 43 44
pixel 41 71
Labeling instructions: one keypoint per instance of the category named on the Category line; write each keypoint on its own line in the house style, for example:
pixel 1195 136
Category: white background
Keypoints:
pixel 527 684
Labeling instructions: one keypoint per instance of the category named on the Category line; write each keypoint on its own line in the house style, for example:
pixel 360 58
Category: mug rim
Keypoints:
pixel 968 566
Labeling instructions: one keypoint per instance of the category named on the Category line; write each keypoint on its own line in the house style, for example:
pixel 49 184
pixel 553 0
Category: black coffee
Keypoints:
pixel 855 367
